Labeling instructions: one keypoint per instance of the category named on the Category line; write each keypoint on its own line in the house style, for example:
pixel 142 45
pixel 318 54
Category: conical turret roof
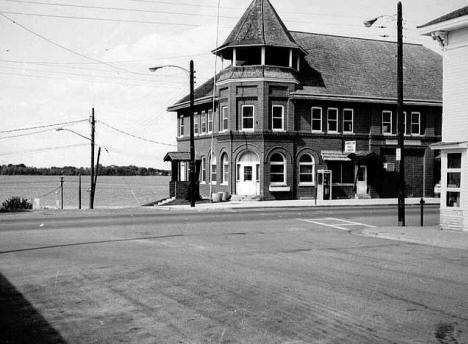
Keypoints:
pixel 259 26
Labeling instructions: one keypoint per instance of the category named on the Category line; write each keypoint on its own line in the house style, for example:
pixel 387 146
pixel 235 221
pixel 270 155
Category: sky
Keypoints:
pixel 61 58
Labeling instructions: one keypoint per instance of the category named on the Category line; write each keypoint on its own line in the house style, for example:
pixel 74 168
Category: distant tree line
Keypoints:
pixel 112 170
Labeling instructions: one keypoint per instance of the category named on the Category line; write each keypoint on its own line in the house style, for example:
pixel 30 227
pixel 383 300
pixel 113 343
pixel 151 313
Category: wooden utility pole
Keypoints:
pixel 401 118
pixel 91 193
pixel 61 192
pixel 97 169
pixel 79 191
pixel 192 138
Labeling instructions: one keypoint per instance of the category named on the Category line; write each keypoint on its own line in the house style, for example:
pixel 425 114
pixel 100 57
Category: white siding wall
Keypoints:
pixel 464 190
pixel 455 88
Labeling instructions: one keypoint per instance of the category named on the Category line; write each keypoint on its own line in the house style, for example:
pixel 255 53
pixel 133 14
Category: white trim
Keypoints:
pixel 263 57
pixel 223 112
pixel 181 126
pixel 282 117
pixel 234 57
pixel 312 119
pixel 253 80
pixel 328 120
pixel 352 121
pixel 382 122
pixel 447 25
pixel 242 118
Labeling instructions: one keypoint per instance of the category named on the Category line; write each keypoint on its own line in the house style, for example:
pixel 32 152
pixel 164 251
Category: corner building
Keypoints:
pixel 304 115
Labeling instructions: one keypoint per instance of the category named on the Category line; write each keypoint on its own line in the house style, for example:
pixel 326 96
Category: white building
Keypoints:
pixel 451 31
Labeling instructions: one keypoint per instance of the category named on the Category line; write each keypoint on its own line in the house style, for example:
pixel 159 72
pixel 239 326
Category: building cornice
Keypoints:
pixel 360 99
pixel 448 25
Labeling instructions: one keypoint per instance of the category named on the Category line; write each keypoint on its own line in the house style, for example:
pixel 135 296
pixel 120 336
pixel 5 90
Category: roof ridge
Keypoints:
pixel 263 21
pixel 352 37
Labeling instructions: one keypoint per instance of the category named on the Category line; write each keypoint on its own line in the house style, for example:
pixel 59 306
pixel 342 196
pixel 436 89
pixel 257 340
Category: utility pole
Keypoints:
pixel 401 138
pixel 192 138
pixel 97 170
pixel 91 193
pixel 79 191
pixel 61 192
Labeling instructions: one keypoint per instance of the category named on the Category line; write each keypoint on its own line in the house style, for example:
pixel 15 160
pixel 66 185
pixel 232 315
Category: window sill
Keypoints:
pixel 348 132
pixel 306 184
pixel 279 188
pixel 317 132
pixel 225 183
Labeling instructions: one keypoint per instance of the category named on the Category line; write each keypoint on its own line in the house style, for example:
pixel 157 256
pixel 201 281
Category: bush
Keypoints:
pixel 16 203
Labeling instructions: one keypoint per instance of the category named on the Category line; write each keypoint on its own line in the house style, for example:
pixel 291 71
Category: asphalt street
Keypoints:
pixel 237 276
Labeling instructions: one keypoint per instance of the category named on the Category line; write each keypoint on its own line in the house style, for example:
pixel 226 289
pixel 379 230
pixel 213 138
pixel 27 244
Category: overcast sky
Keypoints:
pixel 58 62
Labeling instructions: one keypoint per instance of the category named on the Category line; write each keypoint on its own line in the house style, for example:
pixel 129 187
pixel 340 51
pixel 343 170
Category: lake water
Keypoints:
pixel 111 191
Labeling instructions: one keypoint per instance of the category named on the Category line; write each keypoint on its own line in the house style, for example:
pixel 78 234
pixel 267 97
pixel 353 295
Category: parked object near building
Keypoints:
pixel 451 31
pixel 304 115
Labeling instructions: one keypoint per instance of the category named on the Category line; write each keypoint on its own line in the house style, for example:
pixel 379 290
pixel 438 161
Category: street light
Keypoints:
pixel 401 143
pixel 74 132
pixel 192 139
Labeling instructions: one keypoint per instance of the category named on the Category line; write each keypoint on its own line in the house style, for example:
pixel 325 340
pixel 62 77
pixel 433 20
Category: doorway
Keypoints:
pixel 247 175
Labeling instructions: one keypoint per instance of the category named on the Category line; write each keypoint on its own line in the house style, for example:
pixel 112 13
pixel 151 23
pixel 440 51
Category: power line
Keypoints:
pixel 100 19
pixel 27 134
pixel 45 149
pixel 116 8
pixel 135 136
pixel 44 126
pixel 67 49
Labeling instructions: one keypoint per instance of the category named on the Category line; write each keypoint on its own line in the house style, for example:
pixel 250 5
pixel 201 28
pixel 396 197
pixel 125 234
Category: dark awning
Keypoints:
pixel 179 156
pixel 361 157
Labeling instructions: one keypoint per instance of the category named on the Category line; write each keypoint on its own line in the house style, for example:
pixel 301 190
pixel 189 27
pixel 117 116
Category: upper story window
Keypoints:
pixel 316 119
pixel 277 120
pixel 332 120
pixel 386 122
pixel 210 121
pixel 453 180
pixel 277 169
pixel 247 117
pixel 203 122
pixel 348 121
pixel 196 123
pixel 225 118
pixel 181 126
pixel 306 170
pixel 415 123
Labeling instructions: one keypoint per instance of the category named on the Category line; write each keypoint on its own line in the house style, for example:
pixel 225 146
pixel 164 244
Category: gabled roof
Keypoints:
pixel 347 66
pixel 452 15
pixel 260 25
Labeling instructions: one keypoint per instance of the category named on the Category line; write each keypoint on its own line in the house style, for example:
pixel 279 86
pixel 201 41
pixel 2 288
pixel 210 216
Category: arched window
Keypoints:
pixel 306 170
pixel 224 169
pixel 277 169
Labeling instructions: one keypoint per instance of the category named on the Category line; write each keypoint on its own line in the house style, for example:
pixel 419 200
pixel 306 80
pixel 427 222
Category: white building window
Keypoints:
pixel 210 121
pixel 386 122
pixel 247 117
pixel 181 126
pixel 453 180
pixel 415 123
pixel 213 170
pixel 277 169
pixel 203 169
pixel 203 122
pixel 348 121
pixel 225 119
pixel 316 119
pixel 332 120
pixel 224 169
pixel 277 120
pixel 196 124
pixel 306 170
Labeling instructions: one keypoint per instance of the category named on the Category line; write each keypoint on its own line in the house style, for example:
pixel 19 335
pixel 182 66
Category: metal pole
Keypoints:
pixel 422 202
pixel 97 170
pixel 192 138
pixel 91 193
pixel 61 192
pixel 401 142
pixel 79 191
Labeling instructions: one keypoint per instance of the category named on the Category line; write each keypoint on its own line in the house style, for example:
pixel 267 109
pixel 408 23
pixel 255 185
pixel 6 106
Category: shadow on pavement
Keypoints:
pixel 20 322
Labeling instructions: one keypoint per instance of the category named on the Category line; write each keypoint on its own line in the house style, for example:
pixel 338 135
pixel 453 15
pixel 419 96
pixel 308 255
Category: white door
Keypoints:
pixel 361 180
pixel 247 175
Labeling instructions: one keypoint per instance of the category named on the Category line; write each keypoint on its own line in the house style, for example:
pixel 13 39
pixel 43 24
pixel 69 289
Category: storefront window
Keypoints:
pixel 453 179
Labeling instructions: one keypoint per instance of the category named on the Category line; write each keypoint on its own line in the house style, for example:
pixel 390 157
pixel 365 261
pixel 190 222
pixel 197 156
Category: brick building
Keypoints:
pixel 300 115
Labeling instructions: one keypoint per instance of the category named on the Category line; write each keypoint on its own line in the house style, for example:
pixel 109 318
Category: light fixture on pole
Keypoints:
pixel 401 142
pixel 191 73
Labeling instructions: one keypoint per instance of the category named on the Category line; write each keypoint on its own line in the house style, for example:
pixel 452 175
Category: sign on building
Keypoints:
pixel 350 147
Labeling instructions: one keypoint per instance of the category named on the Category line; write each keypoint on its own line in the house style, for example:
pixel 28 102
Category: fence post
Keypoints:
pixel 421 202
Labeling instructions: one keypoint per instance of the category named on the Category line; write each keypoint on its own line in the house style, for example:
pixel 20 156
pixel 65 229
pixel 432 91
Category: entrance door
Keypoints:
pixel 248 175
pixel 324 185
pixel 361 180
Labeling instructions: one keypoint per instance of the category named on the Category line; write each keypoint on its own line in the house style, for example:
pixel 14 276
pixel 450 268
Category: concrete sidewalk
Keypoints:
pixel 430 236
pixel 297 203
